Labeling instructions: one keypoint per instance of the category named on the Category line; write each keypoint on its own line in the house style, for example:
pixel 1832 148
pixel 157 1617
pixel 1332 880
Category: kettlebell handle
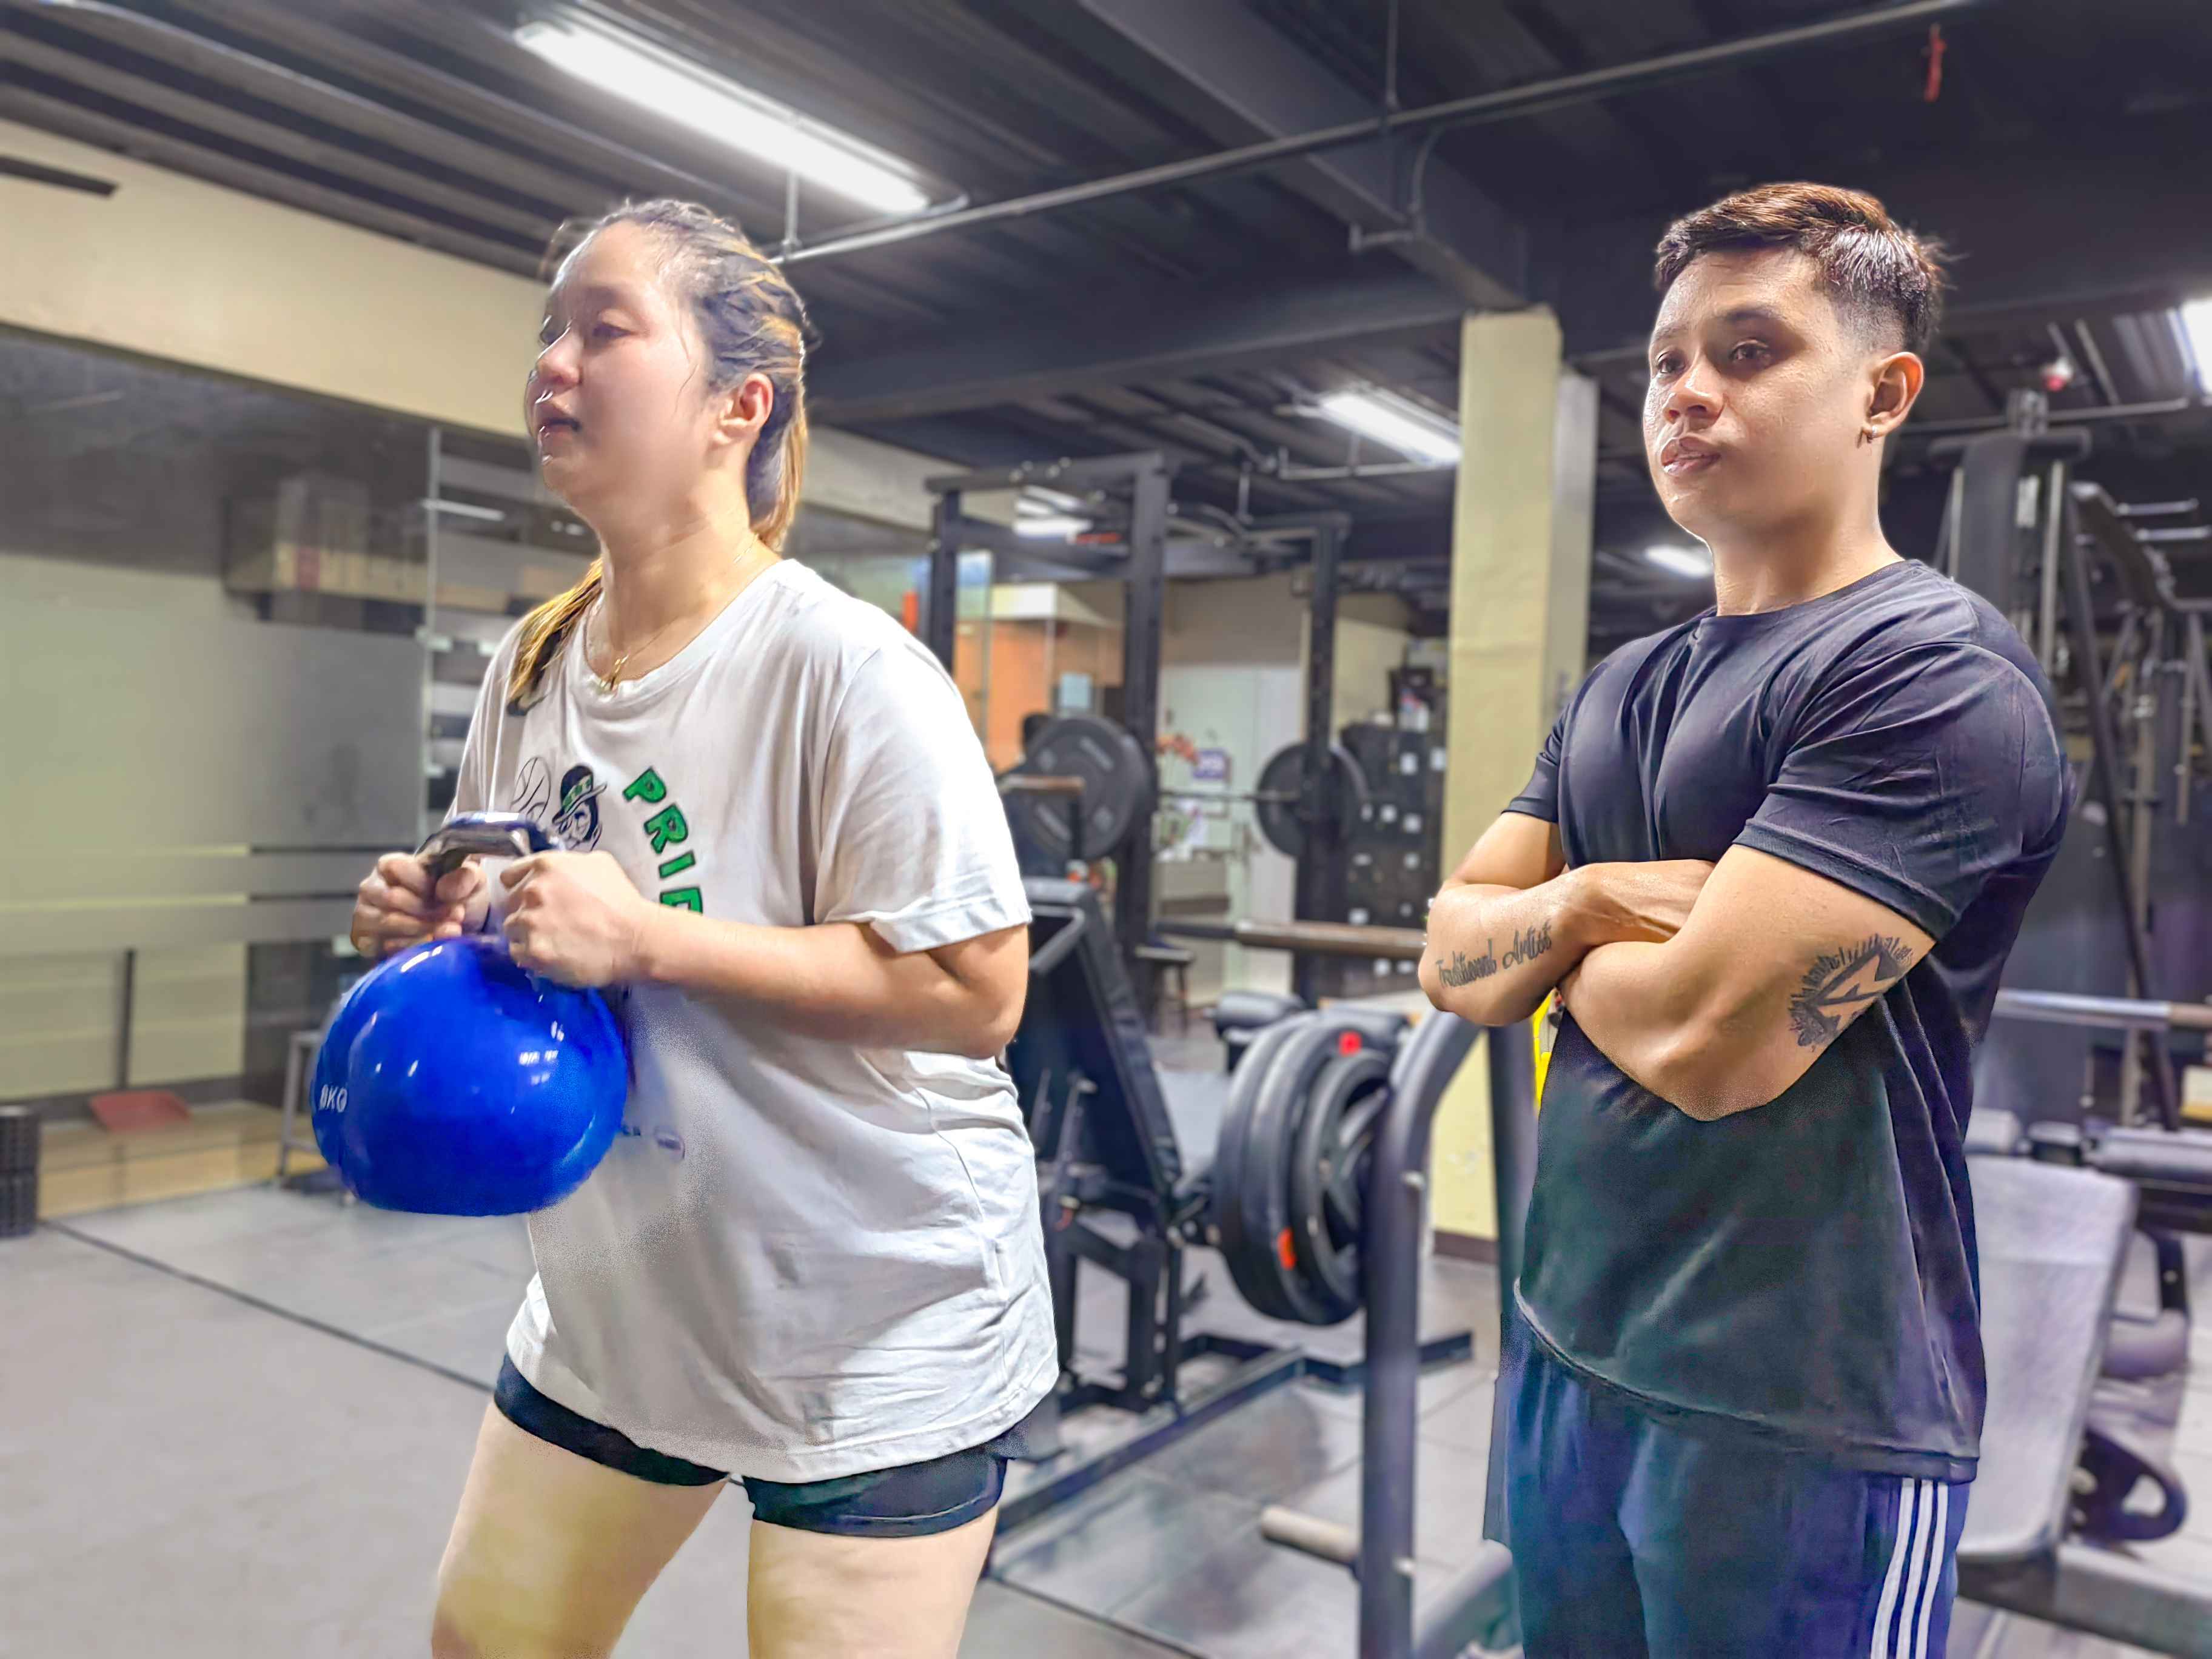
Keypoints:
pixel 499 835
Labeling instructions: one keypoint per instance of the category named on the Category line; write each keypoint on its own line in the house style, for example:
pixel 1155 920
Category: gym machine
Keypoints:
pixel 1329 1150
pixel 2086 1394
pixel 2056 1208
pixel 1139 1170
pixel 1476 1608
pixel 2047 549
pixel 1140 485
pixel 1309 794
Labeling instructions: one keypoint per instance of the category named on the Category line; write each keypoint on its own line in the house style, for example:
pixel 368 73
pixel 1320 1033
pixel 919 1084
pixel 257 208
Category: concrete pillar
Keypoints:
pixel 1520 618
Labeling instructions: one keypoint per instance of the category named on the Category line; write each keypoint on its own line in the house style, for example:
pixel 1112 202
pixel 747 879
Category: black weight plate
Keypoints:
pixel 1328 1176
pixel 1264 1267
pixel 1284 775
pixel 1117 785
pixel 1238 1250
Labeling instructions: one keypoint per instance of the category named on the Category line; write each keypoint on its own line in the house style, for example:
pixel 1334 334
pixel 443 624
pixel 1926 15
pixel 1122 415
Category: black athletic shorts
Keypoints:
pixel 908 1502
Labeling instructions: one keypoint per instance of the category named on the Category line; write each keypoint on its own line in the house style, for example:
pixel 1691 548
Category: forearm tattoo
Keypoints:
pixel 1836 987
pixel 1528 944
pixel 1461 968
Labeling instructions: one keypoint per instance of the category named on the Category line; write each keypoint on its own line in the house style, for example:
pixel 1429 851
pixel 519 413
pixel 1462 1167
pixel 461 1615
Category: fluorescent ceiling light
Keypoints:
pixel 1682 561
pixel 1037 499
pixel 2195 321
pixel 1400 422
pixel 1057 525
pixel 745 120
pixel 463 510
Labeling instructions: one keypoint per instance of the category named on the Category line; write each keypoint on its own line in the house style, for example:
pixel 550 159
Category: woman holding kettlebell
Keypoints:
pixel 812 1259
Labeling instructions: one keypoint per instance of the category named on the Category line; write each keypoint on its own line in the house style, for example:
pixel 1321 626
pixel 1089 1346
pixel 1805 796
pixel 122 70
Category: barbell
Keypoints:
pixel 1325 938
pixel 1114 787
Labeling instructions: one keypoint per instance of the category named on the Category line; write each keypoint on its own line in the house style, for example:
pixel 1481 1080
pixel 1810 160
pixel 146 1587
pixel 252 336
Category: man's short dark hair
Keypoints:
pixel 1879 274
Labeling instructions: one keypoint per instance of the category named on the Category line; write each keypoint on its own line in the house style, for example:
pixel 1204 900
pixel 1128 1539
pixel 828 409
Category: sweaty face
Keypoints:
pixel 1760 388
pixel 617 402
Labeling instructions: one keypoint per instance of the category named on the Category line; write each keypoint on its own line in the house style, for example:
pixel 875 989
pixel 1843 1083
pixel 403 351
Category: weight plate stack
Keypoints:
pixel 1296 1071
pixel 1328 1176
pixel 1269 1276
pixel 1244 1252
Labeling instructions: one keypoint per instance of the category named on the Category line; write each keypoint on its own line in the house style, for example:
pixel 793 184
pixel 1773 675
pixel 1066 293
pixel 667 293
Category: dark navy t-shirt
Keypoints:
pixel 1803 1273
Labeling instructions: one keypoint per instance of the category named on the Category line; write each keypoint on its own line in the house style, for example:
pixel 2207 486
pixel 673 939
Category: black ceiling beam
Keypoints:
pixel 967 440
pixel 1175 331
pixel 1252 82
pixel 14 166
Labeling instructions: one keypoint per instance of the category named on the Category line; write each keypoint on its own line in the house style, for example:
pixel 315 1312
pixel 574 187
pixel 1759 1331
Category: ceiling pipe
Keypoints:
pixel 1508 103
pixel 2061 417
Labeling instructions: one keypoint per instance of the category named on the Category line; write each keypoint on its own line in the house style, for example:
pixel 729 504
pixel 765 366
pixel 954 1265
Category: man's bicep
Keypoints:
pixel 1790 957
pixel 1914 778
pixel 1517 851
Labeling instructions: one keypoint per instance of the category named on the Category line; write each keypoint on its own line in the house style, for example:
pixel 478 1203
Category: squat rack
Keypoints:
pixel 1139 561
pixel 1132 493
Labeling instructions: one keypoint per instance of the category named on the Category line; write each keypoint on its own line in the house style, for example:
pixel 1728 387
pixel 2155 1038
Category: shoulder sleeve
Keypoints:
pixel 1914 777
pixel 1539 797
pixel 913 839
pixel 475 783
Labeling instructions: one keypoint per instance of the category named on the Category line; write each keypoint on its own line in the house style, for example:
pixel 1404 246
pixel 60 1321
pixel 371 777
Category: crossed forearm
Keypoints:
pixel 1494 952
pixel 1640 1011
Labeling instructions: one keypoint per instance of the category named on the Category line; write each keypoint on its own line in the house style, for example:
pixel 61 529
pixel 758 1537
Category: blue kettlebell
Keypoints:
pixel 452 1082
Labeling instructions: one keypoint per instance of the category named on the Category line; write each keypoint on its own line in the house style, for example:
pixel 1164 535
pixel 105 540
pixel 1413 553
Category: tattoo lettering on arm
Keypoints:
pixel 1464 970
pixel 1528 944
pixel 1838 985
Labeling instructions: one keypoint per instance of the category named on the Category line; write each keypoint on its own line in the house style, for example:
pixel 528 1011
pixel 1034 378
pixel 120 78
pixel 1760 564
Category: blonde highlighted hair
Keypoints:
pixel 752 322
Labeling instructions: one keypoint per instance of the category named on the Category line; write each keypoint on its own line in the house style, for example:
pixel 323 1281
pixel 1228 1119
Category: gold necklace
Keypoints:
pixel 612 677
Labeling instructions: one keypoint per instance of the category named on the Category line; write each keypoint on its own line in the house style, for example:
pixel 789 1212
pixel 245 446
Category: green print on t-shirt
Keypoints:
pixel 665 828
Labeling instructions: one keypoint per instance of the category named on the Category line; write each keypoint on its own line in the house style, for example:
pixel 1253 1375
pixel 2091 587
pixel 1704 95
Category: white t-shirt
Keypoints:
pixel 800 1260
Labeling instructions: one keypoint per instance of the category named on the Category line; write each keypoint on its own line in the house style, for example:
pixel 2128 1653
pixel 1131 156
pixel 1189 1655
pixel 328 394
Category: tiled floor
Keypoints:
pixel 191 1470
pixel 193 1475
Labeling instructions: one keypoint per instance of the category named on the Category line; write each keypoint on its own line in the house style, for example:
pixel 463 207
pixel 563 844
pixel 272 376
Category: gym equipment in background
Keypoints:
pixel 1140 1171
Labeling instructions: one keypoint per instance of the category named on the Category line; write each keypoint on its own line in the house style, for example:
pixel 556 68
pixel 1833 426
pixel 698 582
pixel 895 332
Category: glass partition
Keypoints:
pixel 245 630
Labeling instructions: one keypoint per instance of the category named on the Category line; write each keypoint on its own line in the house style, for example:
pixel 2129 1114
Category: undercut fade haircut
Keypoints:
pixel 1881 278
